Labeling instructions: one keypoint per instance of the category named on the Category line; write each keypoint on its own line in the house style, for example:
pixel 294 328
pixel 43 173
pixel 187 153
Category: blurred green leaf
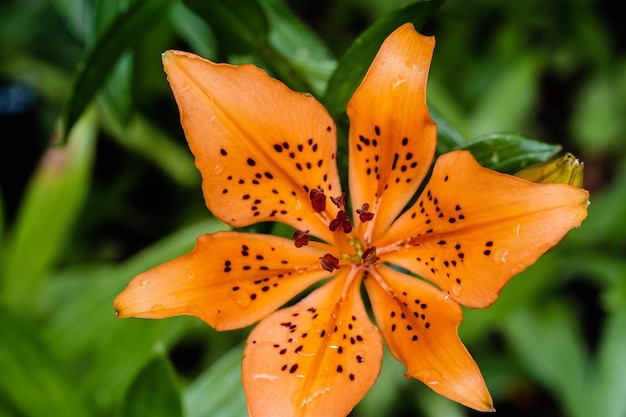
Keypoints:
pixel 508 152
pixel 48 213
pixel 80 322
pixel 154 392
pixel 194 30
pixel 508 99
pixel 608 399
pixel 302 49
pixel 354 63
pixel 93 72
pixel 218 391
pixel 597 124
pixel 448 138
pixel 142 136
pixel 34 381
pixel 548 343
pixel 240 26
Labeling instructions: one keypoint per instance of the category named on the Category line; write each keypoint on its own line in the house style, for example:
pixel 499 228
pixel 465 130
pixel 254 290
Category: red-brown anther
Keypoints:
pixel 318 200
pixel 369 255
pixel 342 221
pixel 340 201
pixel 364 214
pixel 329 262
pixel 301 237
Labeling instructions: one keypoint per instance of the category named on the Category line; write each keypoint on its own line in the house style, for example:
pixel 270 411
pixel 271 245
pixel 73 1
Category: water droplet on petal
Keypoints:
pixel 158 309
pixel 429 376
pixel 264 377
pixel 242 298
pixel 398 85
pixel 144 283
pixel 218 169
pixel 456 290
pixel 501 255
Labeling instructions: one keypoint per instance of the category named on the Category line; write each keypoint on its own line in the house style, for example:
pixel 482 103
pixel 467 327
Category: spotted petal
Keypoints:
pixel 420 326
pixel 392 137
pixel 230 280
pixel 259 146
pixel 316 358
pixel 472 229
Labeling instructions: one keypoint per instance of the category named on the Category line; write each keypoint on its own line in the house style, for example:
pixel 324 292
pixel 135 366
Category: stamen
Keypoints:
pixel 364 214
pixel 340 201
pixel 329 262
pixel 342 221
pixel 369 256
pixel 301 238
pixel 318 200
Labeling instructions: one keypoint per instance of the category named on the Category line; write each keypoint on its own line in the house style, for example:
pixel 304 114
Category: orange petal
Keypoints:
pixel 472 229
pixel 259 146
pixel 392 137
pixel 419 324
pixel 229 280
pixel 317 358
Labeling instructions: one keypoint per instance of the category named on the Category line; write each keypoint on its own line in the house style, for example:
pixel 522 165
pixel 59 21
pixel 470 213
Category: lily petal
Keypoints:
pixel 230 280
pixel 419 324
pixel 472 229
pixel 392 137
pixel 316 358
pixel 259 146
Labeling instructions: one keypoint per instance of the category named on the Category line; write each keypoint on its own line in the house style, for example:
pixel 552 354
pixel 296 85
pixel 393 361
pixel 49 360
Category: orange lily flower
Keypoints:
pixel 267 153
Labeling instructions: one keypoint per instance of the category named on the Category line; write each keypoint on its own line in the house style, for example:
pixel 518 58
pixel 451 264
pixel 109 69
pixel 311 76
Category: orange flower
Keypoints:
pixel 267 153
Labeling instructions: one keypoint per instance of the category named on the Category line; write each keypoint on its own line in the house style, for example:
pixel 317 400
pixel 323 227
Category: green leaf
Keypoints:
pixel 34 381
pixel 142 136
pixel 48 213
pixel 154 392
pixel 508 152
pixel 93 72
pixel 448 137
pixel 303 51
pixel 240 26
pixel 218 391
pixel 550 347
pixel 80 323
pixel 509 98
pixel 193 30
pixel 609 399
pixel 354 63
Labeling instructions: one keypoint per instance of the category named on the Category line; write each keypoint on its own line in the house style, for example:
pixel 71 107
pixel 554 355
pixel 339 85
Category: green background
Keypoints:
pixel 117 192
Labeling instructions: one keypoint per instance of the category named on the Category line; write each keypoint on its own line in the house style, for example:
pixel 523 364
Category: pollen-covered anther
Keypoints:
pixel 301 238
pixel 318 200
pixel 342 221
pixel 340 201
pixel 329 262
pixel 364 214
pixel 369 255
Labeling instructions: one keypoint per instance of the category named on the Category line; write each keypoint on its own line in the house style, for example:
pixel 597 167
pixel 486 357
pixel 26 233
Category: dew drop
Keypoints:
pixel 398 84
pixel 144 283
pixel 517 229
pixel 312 397
pixel 218 169
pixel 264 377
pixel 501 255
pixel 242 298
pixel 429 376
pixel 158 309
pixel 456 290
